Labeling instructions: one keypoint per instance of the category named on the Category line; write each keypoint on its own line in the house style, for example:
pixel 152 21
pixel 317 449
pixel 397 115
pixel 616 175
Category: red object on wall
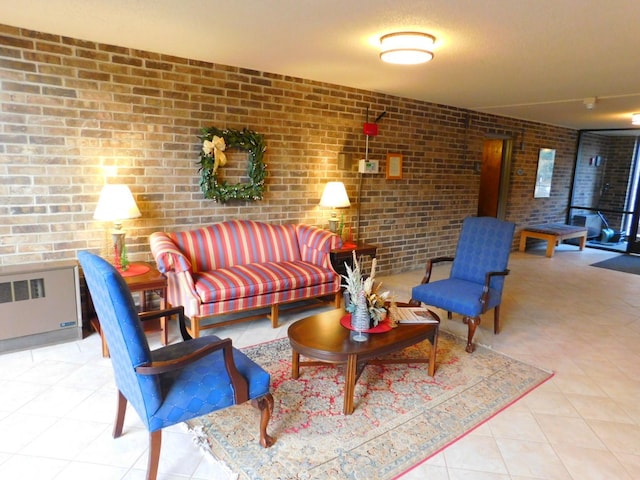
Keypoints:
pixel 370 129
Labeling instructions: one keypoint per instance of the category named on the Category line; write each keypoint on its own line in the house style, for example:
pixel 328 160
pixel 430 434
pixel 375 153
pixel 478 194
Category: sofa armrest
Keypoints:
pixel 167 255
pixel 316 244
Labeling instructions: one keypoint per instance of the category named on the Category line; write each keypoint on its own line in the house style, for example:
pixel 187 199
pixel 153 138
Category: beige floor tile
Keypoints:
pixel 457 474
pixel 618 437
pixel 546 401
pixel 21 466
pixel 477 453
pixel 519 424
pixel 599 408
pixel 531 459
pixel 570 430
pixel 630 462
pixel 589 464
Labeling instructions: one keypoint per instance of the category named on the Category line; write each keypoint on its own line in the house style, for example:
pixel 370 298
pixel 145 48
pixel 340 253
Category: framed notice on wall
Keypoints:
pixel 394 166
pixel 546 159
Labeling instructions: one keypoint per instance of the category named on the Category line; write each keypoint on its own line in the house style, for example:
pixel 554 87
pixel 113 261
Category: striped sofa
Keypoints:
pixel 242 265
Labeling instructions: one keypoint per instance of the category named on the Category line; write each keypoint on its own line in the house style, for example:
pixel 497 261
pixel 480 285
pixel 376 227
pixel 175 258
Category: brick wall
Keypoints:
pixel 76 114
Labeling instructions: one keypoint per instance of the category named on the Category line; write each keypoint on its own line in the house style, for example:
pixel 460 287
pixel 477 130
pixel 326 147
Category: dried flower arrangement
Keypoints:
pixel 365 290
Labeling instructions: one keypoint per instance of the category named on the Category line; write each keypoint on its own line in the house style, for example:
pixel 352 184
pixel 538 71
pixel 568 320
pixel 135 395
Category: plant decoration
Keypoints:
pixel 212 157
pixel 357 288
pixel 124 259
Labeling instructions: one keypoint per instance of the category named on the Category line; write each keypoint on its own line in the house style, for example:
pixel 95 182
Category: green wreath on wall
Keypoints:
pixel 212 157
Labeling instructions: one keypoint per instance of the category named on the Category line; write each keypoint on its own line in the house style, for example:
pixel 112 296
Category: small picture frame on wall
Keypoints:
pixel 394 166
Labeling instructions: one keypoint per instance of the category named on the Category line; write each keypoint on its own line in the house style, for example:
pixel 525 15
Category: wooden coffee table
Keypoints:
pixel 323 339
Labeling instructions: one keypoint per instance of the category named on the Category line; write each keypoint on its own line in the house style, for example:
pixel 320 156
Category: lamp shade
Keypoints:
pixel 116 203
pixel 334 196
pixel 406 48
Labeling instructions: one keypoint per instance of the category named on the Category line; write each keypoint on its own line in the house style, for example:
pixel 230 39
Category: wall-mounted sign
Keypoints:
pixel 546 158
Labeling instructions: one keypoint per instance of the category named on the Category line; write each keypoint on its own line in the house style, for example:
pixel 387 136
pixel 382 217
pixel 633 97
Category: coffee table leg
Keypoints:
pixel 432 356
pixel 350 383
pixel 295 365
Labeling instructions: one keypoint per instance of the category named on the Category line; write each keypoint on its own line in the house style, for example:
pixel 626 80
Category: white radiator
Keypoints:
pixel 39 305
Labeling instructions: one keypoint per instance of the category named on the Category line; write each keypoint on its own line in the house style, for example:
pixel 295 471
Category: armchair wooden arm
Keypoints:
pixel 240 386
pixel 430 264
pixel 167 312
pixel 487 285
pixel 427 276
pixel 151 315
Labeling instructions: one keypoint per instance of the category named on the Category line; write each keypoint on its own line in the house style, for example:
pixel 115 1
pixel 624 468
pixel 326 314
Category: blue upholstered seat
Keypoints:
pixel 477 274
pixel 173 383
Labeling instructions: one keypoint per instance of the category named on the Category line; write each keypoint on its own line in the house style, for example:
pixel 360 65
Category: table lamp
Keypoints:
pixel 116 204
pixel 334 196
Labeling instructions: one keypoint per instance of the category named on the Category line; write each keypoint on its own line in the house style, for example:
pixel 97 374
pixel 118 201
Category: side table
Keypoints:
pixel 345 254
pixel 142 278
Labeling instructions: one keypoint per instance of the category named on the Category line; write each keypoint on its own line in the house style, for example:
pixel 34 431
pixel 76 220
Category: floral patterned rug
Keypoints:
pixel 402 416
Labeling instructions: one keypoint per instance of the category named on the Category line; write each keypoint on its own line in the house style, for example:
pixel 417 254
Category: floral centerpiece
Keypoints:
pixel 364 299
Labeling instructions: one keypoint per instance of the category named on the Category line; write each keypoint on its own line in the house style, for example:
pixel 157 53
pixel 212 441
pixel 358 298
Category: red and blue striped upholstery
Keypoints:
pixel 241 265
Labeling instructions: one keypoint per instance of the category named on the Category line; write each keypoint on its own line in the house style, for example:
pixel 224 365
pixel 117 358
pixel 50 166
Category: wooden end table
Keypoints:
pixel 142 278
pixel 324 340
pixel 344 254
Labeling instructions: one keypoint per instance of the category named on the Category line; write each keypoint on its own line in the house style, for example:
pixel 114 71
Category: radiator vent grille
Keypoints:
pixel 21 290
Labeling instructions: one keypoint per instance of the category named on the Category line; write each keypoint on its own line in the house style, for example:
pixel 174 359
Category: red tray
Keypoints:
pixel 383 326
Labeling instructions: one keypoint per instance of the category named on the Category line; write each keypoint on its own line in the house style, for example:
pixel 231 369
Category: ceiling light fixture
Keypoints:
pixel 590 103
pixel 635 119
pixel 406 48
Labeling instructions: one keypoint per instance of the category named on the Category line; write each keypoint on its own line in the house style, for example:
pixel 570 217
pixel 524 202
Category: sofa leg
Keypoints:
pixel 338 300
pixel 195 327
pixel 274 315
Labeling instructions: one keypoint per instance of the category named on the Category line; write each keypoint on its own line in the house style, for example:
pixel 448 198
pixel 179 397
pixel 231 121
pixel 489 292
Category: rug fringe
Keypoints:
pixel 200 439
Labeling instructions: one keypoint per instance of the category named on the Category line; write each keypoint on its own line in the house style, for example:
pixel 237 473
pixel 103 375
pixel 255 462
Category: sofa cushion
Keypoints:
pixel 242 281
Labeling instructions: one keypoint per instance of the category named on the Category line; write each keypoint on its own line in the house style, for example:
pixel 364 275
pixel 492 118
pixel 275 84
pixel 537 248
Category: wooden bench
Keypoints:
pixel 553 233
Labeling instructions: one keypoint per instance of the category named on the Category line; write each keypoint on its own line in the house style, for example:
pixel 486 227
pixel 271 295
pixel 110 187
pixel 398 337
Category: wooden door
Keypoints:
pixel 490 178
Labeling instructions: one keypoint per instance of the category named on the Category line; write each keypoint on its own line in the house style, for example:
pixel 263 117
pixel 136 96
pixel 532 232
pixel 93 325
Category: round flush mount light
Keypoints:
pixel 406 48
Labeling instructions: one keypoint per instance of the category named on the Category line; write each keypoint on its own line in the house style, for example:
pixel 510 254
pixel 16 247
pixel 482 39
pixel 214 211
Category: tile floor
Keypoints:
pixel 57 403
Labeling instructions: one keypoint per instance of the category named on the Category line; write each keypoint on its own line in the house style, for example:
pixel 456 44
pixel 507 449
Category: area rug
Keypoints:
pixel 621 263
pixel 402 416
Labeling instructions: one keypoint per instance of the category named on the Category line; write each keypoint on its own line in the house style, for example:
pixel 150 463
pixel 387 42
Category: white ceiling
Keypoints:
pixel 531 59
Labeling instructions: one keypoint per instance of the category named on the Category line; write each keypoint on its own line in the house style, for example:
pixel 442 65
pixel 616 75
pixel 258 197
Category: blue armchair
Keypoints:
pixel 477 274
pixel 174 383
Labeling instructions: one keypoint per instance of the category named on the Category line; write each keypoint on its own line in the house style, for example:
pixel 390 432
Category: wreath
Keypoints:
pixel 212 157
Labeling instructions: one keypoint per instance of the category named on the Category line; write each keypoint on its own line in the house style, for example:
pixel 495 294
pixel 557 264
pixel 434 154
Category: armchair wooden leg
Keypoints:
pixel 274 315
pixel 120 411
pixel 496 320
pixel 155 442
pixel 182 323
pixel 265 405
pixel 472 323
